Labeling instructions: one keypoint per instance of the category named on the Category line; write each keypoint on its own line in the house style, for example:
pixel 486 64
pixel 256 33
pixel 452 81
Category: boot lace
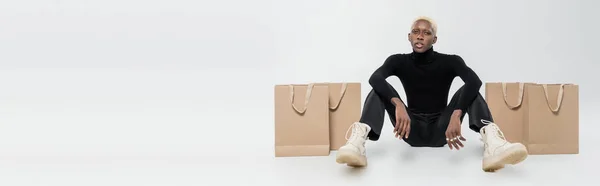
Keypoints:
pixel 357 130
pixel 492 129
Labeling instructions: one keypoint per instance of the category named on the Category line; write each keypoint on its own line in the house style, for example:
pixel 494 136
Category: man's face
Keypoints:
pixel 421 36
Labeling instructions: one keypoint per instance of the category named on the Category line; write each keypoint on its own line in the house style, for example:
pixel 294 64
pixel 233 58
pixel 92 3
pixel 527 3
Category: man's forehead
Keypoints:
pixel 424 24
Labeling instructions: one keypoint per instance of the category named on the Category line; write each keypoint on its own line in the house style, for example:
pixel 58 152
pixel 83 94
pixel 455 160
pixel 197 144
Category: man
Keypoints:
pixel 427 121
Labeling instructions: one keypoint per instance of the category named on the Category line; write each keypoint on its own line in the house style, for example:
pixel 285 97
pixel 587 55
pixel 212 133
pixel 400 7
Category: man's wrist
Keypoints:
pixel 457 113
pixel 397 102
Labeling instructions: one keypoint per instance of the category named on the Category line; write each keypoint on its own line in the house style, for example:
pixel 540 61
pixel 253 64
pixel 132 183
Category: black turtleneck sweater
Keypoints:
pixel 426 78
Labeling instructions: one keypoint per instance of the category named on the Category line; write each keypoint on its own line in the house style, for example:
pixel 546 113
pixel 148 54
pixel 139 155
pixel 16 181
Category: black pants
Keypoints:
pixel 426 129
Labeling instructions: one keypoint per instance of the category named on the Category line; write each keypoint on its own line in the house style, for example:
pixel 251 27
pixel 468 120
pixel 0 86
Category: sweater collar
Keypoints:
pixel 425 57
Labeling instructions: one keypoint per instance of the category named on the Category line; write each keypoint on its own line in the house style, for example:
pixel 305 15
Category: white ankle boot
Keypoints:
pixel 498 151
pixel 354 152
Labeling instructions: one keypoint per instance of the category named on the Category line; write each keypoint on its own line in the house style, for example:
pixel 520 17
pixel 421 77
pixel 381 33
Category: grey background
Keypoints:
pixel 180 92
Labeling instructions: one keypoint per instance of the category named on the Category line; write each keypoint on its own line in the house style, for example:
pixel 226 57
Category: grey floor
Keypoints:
pixel 391 162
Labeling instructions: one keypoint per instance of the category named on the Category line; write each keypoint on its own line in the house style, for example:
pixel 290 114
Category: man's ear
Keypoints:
pixel 434 39
pixel 409 38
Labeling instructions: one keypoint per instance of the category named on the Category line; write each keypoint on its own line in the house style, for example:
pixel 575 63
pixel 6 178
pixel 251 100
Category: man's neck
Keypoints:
pixel 424 57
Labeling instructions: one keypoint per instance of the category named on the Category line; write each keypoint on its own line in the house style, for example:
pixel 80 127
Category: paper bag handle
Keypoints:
pixel 342 93
pixel 307 98
pixel 558 100
pixel 519 99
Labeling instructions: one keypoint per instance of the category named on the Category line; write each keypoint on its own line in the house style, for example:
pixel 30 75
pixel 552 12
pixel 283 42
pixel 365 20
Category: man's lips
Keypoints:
pixel 419 45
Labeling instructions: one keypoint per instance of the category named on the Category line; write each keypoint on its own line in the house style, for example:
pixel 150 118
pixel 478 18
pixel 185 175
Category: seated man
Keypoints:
pixel 427 121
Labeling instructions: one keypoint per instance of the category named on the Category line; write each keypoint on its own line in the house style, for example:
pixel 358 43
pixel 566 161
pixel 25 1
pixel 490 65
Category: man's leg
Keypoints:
pixel 373 114
pixel 478 111
pixel 498 151
pixel 368 127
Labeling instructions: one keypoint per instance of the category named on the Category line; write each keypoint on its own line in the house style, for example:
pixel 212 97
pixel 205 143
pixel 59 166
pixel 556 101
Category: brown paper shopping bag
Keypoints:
pixel 553 119
pixel 301 120
pixel 506 101
pixel 345 109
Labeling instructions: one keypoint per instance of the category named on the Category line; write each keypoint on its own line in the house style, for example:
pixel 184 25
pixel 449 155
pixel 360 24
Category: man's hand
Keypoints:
pixel 453 134
pixel 402 128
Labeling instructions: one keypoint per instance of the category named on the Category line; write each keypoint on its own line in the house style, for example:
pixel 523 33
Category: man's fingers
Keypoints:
pixel 451 143
pixel 399 129
pixel 407 130
pixel 396 127
pixel 454 143
pixel 448 140
pixel 457 139
pixel 402 128
pixel 402 131
pixel 452 140
pixel 459 143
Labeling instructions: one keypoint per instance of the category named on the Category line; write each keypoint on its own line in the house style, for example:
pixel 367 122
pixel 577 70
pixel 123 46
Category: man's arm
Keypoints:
pixel 379 83
pixel 471 87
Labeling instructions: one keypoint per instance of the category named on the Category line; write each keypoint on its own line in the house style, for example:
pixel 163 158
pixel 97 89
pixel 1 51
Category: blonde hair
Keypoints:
pixel 429 20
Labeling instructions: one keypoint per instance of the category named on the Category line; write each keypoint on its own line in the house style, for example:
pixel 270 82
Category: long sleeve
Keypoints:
pixel 471 80
pixel 378 78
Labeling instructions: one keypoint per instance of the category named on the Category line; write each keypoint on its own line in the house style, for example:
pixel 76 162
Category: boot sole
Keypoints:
pixel 513 155
pixel 351 159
